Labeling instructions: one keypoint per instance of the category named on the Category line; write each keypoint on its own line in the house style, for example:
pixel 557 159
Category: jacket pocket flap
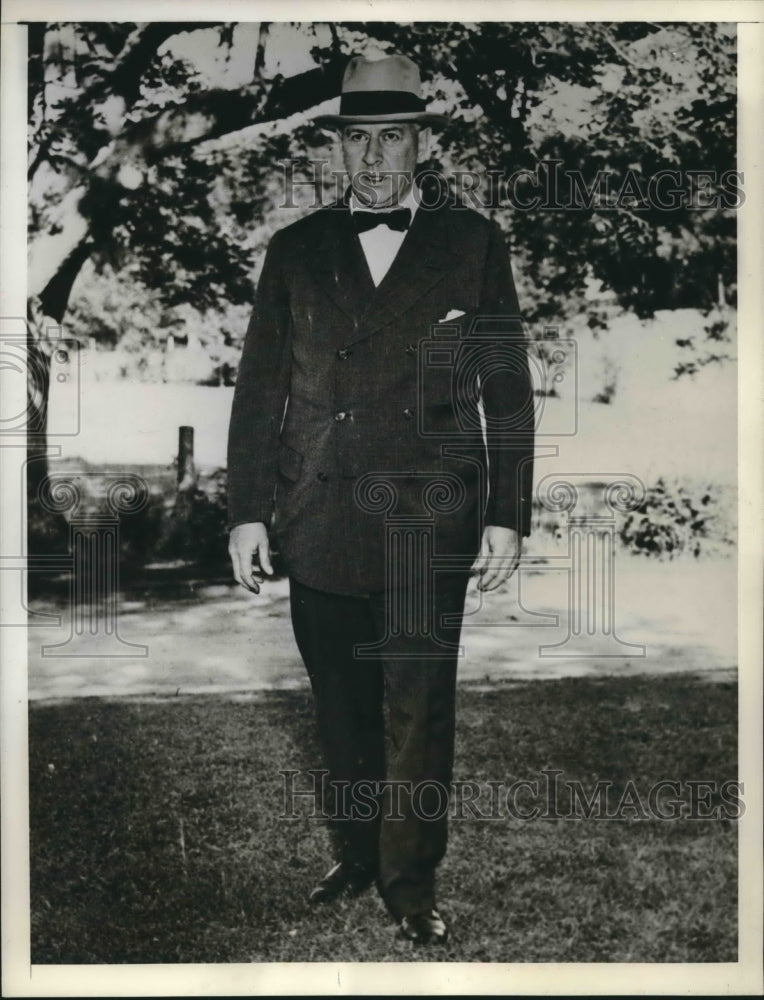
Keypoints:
pixel 290 462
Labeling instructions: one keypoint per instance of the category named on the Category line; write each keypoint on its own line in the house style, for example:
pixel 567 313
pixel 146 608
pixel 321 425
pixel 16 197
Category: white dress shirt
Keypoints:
pixel 381 244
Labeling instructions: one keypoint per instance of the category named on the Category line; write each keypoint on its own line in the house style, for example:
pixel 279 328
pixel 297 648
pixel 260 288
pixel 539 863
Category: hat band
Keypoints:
pixel 380 102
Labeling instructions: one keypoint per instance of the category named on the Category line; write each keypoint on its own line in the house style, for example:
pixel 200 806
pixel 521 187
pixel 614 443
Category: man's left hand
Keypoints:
pixel 499 556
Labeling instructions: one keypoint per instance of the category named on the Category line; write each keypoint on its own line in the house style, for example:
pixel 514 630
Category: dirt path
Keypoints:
pixel 223 639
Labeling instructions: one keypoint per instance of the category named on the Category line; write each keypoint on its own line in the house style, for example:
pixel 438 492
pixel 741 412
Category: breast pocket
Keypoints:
pixel 290 462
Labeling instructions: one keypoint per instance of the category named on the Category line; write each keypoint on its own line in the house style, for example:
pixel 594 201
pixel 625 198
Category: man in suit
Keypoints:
pixel 382 429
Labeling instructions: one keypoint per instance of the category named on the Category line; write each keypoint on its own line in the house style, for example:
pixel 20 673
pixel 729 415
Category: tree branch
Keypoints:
pixel 139 50
pixel 214 113
pixel 203 116
pixel 262 38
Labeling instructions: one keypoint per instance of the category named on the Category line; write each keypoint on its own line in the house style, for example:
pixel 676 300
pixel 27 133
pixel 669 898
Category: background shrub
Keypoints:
pixel 679 517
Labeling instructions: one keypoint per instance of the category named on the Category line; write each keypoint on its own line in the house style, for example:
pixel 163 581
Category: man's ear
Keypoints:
pixel 425 139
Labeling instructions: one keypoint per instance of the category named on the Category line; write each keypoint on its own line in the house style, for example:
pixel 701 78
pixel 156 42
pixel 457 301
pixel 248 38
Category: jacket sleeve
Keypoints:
pixel 260 397
pixel 507 394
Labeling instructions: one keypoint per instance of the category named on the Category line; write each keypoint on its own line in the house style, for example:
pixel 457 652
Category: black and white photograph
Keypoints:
pixel 381 447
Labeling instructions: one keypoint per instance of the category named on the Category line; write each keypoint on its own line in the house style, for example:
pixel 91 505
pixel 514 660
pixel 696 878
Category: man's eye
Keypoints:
pixel 391 136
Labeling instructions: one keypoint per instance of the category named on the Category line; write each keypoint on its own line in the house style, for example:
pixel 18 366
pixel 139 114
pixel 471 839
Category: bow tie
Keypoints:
pixel 399 219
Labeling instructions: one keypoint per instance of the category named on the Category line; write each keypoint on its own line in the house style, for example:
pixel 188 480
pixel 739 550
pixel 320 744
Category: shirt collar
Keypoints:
pixel 410 201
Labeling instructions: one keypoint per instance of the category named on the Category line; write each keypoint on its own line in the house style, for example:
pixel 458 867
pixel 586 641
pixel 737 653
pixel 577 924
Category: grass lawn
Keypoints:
pixel 155 832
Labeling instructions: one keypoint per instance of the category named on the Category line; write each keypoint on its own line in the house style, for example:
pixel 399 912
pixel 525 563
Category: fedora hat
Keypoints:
pixel 382 90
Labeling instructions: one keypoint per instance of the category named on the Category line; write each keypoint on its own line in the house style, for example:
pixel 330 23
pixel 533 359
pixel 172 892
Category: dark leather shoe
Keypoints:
pixel 425 928
pixel 343 880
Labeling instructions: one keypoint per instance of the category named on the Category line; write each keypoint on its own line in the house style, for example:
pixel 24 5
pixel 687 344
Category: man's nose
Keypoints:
pixel 373 153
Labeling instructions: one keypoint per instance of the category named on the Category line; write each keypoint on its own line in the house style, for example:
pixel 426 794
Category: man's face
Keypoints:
pixel 380 160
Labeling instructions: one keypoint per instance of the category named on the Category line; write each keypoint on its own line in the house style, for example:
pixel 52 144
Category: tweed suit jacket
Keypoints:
pixel 356 414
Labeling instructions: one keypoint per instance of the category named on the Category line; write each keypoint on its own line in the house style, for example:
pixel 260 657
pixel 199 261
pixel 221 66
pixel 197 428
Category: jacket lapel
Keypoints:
pixel 425 258
pixel 339 264
pixel 340 267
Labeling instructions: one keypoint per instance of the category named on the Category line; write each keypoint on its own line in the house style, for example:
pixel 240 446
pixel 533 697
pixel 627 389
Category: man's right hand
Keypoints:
pixel 245 541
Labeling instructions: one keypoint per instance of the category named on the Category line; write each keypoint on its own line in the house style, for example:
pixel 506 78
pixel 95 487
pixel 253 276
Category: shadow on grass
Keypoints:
pixel 155 832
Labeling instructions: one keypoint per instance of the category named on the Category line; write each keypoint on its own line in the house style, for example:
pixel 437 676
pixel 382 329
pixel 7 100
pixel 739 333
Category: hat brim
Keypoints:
pixel 340 121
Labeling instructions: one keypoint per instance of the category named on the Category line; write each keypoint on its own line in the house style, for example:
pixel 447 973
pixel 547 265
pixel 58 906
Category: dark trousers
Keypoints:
pixel 404 831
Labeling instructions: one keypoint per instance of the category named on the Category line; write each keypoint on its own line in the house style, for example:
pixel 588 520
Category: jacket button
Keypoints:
pixel 321 477
pixel 343 354
pixel 411 349
pixel 339 417
pixel 408 413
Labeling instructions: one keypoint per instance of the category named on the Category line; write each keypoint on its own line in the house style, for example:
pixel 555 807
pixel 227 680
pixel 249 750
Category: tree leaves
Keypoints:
pixel 628 99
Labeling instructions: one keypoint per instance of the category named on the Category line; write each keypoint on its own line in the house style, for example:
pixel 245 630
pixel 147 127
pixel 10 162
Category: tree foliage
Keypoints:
pixel 136 170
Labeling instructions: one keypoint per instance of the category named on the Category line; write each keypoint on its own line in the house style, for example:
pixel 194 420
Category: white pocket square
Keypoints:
pixel 452 314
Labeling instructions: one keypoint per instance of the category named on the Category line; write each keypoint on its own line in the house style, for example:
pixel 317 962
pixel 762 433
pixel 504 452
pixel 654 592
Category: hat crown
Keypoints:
pixel 380 91
pixel 393 73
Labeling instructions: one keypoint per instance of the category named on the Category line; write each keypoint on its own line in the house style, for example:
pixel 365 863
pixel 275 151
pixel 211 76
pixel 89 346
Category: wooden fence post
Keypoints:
pixel 186 468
